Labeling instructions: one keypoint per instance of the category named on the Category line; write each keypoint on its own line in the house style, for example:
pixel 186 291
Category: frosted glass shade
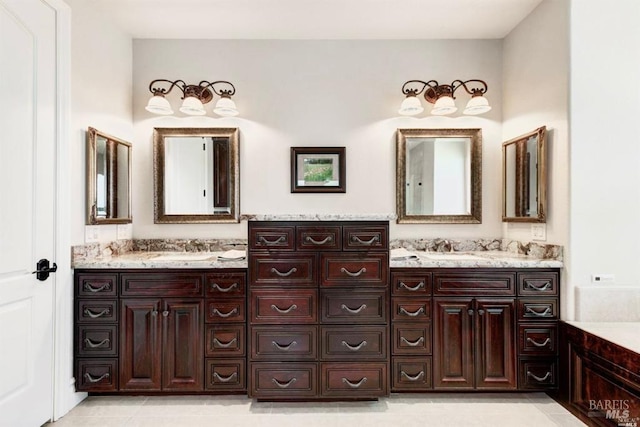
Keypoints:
pixel 477 105
pixel 225 107
pixel 411 106
pixel 192 106
pixel 443 106
pixel 159 105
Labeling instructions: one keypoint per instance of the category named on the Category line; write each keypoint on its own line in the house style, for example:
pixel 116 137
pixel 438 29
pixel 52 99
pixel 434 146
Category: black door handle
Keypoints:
pixel 43 269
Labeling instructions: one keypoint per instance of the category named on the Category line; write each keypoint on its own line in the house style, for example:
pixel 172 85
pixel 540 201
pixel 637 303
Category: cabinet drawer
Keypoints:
pixel 96 375
pixel 406 283
pixel 538 283
pixel 319 238
pixel 411 374
pixel 97 311
pixel 411 338
pixel 284 380
pixel 284 343
pixel 354 307
pixel 271 237
pixel 363 237
pixel 354 380
pixel 227 310
pixel 278 306
pixel 473 283
pixel 541 309
pixel 96 285
pixel 369 269
pixel 97 340
pixel 538 339
pixel 225 375
pixel 225 340
pixel 282 271
pixel 225 285
pixel 416 309
pixel 348 342
pixel 161 284
pixel 538 373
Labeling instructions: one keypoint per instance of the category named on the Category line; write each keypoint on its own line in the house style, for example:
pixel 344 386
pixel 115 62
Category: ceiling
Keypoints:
pixel 317 19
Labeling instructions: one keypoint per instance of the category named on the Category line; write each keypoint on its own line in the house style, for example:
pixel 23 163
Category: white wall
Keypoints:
pixel 316 93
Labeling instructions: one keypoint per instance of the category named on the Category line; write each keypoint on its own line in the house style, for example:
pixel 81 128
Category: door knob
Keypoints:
pixel 43 269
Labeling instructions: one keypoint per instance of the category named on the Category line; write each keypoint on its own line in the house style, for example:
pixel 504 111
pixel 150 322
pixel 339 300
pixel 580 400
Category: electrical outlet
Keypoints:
pixel 91 234
pixel 603 278
pixel 539 232
pixel 123 231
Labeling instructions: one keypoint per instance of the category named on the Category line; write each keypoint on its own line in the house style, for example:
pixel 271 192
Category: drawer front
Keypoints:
pixel 537 339
pixel 538 374
pixel 474 283
pixel 414 284
pixel 411 338
pixel 354 307
pixel 284 343
pixel 370 269
pixel 224 340
pixel 97 311
pixel 284 380
pixel 226 375
pixel 225 285
pixel 277 306
pixel 96 285
pixel 97 375
pixel 319 238
pixel 538 309
pixel 266 270
pixel 354 380
pixel 538 283
pixel 271 237
pixel 227 310
pixel 416 309
pixel 349 343
pixel 161 284
pixel 97 340
pixel 411 374
pixel 362 237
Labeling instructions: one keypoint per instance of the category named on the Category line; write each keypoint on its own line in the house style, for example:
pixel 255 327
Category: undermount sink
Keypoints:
pixel 452 256
pixel 181 256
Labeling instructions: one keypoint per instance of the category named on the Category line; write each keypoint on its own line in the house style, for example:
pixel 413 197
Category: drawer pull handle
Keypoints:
pixel 89 287
pixel 281 274
pixel 217 312
pixel 356 274
pixel 418 312
pixel 218 343
pixel 284 385
pixel 284 347
pixel 354 347
pixel 271 242
pixel 371 241
pixel 217 287
pixel 539 288
pixel 95 315
pixel 409 288
pixel 539 344
pixel 92 379
pixel 165 313
pixel 410 378
pixel 286 310
pixel 545 313
pixel 222 379
pixel 412 343
pixel 353 311
pixel 537 378
pixel 319 242
pixel 354 385
pixel 93 344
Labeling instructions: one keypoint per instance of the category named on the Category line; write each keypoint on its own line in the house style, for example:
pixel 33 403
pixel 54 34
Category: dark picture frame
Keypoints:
pixel 318 170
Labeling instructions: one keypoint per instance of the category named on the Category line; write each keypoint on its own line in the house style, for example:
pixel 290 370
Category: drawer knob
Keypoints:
pixel 219 288
pixel 93 379
pixel 284 385
pixel 220 378
pixel 94 315
pixel 411 288
pixel 218 343
pixel 412 343
pixel 418 312
pixel 545 313
pixel 539 288
pixel 537 378
pixel 319 242
pixel 217 312
pixel 539 344
pixel 284 347
pixel 353 274
pixel 354 385
pixel 371 241
pixel 271 242
pixel 412 378
pixel 284 311
pixel 90 288
pixel 93 344
pixel 353 311
pixel 285 274
pixel 355 347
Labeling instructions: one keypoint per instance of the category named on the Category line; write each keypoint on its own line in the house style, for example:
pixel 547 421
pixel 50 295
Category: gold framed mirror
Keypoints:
pixel 196 175
pixel 108 179
pixel 439 176
pixel 524 177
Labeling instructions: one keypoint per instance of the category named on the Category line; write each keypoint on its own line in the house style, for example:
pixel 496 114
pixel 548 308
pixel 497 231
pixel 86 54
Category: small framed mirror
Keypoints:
pixel 108 179
pixel 439 176
pixel 524 178
pixel 196 175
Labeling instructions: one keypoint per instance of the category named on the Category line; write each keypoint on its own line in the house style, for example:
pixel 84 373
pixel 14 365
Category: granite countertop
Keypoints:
pixel 625 334
pixel 401 258
pixel 162 260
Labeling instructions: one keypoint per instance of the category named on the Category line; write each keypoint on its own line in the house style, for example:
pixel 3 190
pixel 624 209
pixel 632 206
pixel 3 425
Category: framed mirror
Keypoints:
pixel 524 177
pixel 196 175
pixel 108 179
pixel 439 176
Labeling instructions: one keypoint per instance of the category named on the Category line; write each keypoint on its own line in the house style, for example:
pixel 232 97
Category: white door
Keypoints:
pixel 27 187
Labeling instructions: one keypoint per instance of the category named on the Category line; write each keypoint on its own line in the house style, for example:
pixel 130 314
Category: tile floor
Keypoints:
pixel 401 410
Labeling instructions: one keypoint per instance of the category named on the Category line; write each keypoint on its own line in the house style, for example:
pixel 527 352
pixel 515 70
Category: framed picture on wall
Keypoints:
pixel 318 170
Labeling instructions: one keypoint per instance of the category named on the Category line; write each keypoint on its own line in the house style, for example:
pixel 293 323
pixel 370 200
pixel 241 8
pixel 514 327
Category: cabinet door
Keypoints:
pixel 453 344
pixel 140 345
pixel 183 348
pixel 495 363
